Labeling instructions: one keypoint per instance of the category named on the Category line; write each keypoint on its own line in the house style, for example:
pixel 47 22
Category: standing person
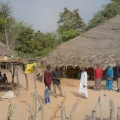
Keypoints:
pixel 98 76
pixel 118 75
pixel 56 81
pixel 1 75
pixel 83 83
pixel 109 77
pixel 47 82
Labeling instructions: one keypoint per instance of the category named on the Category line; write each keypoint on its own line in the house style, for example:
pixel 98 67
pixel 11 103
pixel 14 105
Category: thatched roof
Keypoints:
pixel 100 44
pixel 4 50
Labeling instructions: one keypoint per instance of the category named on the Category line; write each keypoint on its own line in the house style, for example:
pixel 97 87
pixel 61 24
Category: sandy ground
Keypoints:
pixel 84 107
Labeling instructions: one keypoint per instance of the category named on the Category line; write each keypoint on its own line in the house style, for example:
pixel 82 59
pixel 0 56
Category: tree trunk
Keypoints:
pixel 6 37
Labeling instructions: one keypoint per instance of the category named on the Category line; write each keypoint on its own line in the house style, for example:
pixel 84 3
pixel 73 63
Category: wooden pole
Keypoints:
pixel 13 74
pixel 101 104
pixel 93 117
pixel 27 86
pixel 111 106
pixel 63 114
pixel 73 110
pixel 42 74
pixel 17 78
pixel 40 108
pixel 57 108
pixel 35 85
pixel 118 114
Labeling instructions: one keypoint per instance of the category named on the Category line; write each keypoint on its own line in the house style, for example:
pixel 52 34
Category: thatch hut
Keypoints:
pixel 100 44
pixel 4 50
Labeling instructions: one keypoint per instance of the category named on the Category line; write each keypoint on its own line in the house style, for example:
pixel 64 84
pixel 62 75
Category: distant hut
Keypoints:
pixel 4 50
pixel 100 44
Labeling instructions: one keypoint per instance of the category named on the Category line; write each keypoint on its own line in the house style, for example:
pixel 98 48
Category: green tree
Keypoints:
pixel 10 29
pixel 70 24
pixel 108 11
pixel 35 44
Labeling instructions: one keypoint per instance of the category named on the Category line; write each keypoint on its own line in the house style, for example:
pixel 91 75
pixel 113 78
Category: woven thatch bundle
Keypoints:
pixel 100 44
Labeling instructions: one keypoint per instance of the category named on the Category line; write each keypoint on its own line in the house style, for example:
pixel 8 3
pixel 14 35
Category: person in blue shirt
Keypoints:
pixel 109 78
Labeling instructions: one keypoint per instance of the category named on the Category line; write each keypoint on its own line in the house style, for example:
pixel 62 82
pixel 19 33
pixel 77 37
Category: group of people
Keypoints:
pixel 54 77
pixel 109 77
pixel 98 73
pixel 49 78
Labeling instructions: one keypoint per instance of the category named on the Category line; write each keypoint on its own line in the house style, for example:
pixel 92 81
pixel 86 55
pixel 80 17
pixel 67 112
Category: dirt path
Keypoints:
pixel 84 108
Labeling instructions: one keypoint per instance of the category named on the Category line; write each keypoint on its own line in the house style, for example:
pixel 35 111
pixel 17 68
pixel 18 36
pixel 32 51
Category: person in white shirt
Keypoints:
pixel 83 83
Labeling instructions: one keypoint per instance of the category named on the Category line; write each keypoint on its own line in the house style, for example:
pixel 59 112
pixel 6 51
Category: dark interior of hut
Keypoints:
pixel 74 73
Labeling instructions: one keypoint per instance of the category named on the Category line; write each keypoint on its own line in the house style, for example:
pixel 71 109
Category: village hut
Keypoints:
pixel 12 64
pixel 4 50
pixel 98 45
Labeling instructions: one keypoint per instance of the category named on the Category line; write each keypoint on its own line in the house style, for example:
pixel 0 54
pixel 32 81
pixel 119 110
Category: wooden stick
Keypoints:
pixel 93 117
pixel 73 110
pixel 31 111
pixel 57 108
pixel 63 114
pixel 35 92
pixel 118 114
pixel 111 105
pixel 27 87
pixel 30 118
pixel 13 74
pixel 35 85
pixel 23 67
pixel 101 104
pixel 17 78
pixel 33 100
pixel 42 107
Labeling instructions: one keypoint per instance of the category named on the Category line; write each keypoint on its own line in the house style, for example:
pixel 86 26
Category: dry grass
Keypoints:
pixel 100 44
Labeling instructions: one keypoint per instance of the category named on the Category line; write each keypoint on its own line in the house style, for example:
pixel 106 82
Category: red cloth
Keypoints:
pixel 98 73
pixel 47 78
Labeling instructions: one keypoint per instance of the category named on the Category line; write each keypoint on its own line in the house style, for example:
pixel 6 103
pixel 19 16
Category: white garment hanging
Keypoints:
pixel 83 82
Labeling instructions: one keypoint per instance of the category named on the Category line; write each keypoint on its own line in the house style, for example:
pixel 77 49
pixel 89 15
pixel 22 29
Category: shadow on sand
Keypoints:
pixel 39 78
pixel 43 101
pixel 76 94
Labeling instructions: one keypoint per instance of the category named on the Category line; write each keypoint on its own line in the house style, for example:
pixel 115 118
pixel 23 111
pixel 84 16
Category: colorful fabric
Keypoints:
pixel 109 84
pixel 47 95
pixel 98 73
pixel 46 92
pixel 97 84
pixel 47 78
pixel 30 68
pixel 47 100
pixel 109 73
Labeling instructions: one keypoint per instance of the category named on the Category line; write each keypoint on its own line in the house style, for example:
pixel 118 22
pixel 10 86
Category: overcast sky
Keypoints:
pixel 44 14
